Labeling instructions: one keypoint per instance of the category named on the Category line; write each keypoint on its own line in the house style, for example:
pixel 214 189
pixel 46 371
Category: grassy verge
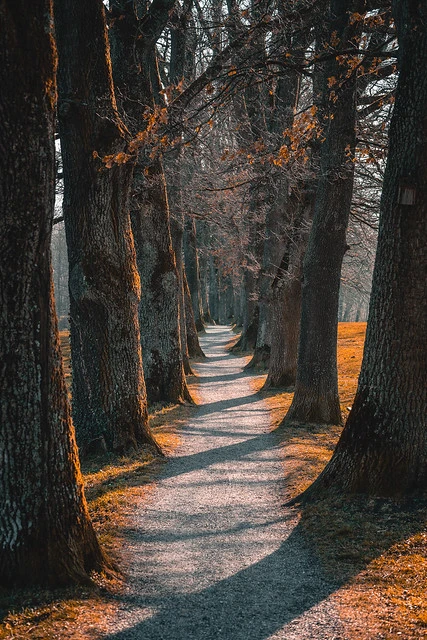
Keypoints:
pixel 375 550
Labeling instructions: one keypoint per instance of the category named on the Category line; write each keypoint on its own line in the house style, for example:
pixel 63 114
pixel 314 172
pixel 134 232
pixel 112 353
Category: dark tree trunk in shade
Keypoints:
pixel 213 289
pixel 203 234
pixel 250 108
pixel 194 349
pixel 272 253
pixel 159 310
pixel 177 228
pixel 383 448
pixel 285 320
pixel 316 390
pixel 181 70
pixel 136 78
pixel 193 272
pixel 239 307
pixel 248 337
pixel 46 536
pixel 287 291
pixel 279 222
pixel 109 396
pixel 287 286
pixel 226 300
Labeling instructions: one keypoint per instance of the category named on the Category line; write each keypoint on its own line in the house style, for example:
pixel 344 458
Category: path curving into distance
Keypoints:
pixel 215 554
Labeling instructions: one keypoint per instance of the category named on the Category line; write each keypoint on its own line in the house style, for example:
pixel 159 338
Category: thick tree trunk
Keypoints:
pixel 239 304
pixel 193 272
pixel 286 314
pixel 109 396
pixel 159 309
pixel 46 536
pixel 272 253
pixel 177 227
pixel 181 69
pixel 226 300
pixel 194 349
pixel 203 234
pixel 383 448
pixel 136 76
pixel 251 272
pixel 279 221
pixel 287 292
pixel 250 112
pixel 213 289
pixel 316 390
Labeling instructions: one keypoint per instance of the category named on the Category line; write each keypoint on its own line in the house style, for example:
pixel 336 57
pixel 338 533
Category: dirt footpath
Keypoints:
pixel 214 554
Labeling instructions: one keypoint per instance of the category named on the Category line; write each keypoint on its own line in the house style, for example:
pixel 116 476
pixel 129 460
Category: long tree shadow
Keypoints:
pixel 223 405
pixel 224 377
pixel 257 602
pixel 252 604
pixel 216 455
pixel 179 465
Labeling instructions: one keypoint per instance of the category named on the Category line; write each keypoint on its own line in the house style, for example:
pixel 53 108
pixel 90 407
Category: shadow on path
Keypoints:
pixel 215 555
pixel 253 604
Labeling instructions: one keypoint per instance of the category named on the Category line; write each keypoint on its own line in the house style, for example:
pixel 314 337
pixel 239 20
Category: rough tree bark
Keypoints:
pixel 213 289
pixel 383 448
pixel 250 310
pixel 286 296
pixel 182 69
pixel 272 252
pixel 226 299
pixel 192 271
pixel 136 76
pixel 46 536
pixel 177 229
pixel 280 219
pixel 287 285
pixel 194 349
pixel 286 299
pixel 108 389
pixel 316 389
pixel 288 233
pixel 250 112
pixel 203 234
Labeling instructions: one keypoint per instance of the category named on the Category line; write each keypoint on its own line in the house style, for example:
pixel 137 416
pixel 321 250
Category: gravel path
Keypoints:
pixel 215 555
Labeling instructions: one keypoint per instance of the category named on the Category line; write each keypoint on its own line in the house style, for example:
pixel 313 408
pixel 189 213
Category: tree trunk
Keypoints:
pixel 250 112
pixel 177 227
pixel 193 272
pixel 248 337
pixel 287 290
pixel 383 448
pixel 46 536
pixel 226 300
pixel 194 349
pixel 181 69
pixel 213 289
pixel 136 76
pixel 203 233
pixel 316 390
pixel 108 390
pixel 286 314
pixel 159 310
pixel 279 219
pixel 274 242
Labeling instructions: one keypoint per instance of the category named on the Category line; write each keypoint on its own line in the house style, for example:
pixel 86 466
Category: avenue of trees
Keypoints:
pixel 198 161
